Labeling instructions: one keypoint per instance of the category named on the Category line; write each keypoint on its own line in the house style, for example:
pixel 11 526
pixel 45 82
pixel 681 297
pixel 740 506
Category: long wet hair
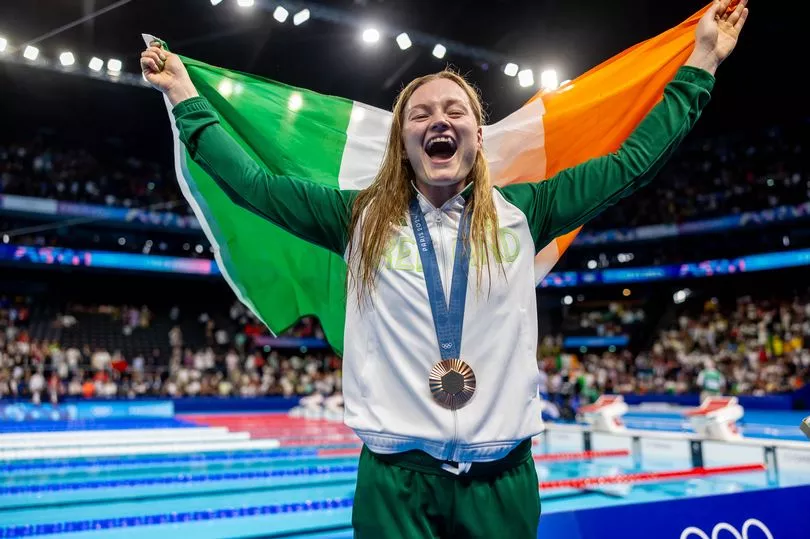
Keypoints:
pixel 384 204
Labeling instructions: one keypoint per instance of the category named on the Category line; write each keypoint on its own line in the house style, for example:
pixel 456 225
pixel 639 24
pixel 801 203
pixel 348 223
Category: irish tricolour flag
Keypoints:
pixel 340 143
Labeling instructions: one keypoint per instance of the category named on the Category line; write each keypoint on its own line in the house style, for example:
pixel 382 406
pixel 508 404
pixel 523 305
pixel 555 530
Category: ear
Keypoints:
pixel 480 137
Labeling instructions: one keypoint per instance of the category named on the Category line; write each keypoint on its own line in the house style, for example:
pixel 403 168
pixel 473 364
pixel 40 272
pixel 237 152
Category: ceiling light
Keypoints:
pixel 371 35
pixel 67 59
pixel 281 14
pixel 403 41
pixel 31 53
pixel 301 17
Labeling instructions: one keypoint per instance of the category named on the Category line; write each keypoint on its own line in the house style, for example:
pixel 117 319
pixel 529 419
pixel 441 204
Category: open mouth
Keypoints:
pixel 441 148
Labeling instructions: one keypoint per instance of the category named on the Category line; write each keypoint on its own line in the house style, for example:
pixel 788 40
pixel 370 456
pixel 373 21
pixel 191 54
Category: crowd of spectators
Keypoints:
pixel 47 166
pixel 603 319
pixel 224 362
pixel 759 347
pixel 720 176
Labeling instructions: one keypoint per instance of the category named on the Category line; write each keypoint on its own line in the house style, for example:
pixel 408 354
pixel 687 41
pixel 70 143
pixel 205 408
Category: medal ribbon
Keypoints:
pixel 448 317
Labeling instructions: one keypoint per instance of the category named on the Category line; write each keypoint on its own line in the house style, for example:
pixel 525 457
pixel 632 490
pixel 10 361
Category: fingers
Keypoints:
pixel 154 56
pixel 737 13
pixel 152 60
pixel 156 53
pixel 159 52
pixel 723 8
pixel 741 21
pixel 148 65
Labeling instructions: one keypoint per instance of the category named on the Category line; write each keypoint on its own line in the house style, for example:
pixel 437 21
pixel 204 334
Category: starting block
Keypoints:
pixel 316 406
pixel 716 418
pixel 605 414
pixel 333 408
pixel 310 407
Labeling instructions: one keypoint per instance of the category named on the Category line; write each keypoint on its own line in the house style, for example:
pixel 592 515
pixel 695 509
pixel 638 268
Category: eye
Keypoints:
pixel 455 113
pixel 420 116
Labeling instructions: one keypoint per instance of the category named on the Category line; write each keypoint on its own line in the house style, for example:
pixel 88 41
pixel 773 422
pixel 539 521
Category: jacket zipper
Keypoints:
pixel 451 448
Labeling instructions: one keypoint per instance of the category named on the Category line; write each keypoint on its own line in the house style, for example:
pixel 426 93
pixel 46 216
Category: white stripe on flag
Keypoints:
pixel 366 138
pixel 515 149
pixel 518 134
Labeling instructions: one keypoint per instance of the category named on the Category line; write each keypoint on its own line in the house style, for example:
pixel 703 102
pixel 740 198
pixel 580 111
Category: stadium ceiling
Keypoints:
pixel 327 52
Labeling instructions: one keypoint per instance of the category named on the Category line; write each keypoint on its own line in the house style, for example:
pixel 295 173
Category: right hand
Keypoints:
pixel 717 33
pixel 166 72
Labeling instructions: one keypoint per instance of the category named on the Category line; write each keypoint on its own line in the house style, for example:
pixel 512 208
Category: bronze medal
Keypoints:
pixel 452 383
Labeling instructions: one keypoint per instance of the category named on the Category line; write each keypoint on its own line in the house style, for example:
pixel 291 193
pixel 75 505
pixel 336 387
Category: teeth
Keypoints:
pixel 432 141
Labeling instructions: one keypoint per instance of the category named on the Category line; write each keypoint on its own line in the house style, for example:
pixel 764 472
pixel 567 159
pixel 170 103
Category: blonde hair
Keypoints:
pixel 384 203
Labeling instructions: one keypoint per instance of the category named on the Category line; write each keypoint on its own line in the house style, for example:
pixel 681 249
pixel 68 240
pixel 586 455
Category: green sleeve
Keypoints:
pixel 316 213
pixel 575 195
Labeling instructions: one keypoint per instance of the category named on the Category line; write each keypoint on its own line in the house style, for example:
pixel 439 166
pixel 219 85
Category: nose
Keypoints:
pixel 440 125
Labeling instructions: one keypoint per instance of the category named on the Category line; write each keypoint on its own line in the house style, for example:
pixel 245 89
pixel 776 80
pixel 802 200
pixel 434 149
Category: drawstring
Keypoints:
pixel 463 467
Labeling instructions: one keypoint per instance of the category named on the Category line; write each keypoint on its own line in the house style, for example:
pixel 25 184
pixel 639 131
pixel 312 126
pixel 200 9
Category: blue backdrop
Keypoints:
pixel 781 511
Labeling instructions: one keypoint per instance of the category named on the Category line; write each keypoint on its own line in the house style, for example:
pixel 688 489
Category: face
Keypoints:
pixel 440 133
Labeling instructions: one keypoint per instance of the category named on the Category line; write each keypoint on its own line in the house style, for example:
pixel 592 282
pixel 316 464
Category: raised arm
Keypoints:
pixel 574 196
pixel 313 212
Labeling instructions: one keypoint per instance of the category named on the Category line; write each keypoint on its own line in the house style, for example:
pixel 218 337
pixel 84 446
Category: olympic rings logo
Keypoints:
pixel 725 526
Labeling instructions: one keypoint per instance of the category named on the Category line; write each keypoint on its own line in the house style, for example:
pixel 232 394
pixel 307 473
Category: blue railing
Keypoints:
pixel 707 268
pixel 171 221
pixel 593 341
pixel 750 219
pixel 60 256
pixel 62 209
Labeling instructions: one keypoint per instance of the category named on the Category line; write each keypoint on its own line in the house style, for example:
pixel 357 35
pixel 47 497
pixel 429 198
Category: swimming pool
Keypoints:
pixel 304 486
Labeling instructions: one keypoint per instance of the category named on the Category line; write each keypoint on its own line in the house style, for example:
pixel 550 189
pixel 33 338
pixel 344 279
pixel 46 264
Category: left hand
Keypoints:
pixel 717 33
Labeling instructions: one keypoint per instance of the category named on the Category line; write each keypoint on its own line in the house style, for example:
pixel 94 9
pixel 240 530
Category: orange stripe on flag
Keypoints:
pixel 595 113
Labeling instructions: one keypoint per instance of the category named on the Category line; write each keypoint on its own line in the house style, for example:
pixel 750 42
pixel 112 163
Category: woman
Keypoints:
pixel 446 415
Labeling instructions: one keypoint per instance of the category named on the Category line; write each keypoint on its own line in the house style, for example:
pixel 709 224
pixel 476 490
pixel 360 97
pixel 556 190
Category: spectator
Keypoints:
pixel 176 337
pixel 36 385
pixel 710 381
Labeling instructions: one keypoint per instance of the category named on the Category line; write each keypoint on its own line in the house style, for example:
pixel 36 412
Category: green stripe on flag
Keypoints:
pixel 307 142
pixel 292 132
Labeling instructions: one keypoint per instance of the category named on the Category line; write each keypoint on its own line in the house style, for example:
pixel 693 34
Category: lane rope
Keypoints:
pixel 591 482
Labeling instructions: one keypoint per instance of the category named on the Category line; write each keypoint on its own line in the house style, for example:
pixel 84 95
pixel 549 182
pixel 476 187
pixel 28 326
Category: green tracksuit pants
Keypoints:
pixel 409 496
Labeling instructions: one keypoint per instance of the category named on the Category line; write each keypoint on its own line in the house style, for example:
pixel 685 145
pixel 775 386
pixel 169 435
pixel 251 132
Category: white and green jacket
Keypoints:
pixel 391 343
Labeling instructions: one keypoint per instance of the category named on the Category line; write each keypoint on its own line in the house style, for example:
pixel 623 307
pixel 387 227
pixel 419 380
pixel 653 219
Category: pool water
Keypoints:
pixel 302 489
